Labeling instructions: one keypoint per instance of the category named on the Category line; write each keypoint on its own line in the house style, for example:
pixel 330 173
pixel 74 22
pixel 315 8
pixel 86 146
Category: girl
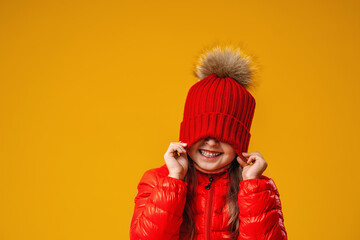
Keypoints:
pixel 210 187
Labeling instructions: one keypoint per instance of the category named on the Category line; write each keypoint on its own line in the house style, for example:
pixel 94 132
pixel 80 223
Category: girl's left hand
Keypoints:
pixel 251 171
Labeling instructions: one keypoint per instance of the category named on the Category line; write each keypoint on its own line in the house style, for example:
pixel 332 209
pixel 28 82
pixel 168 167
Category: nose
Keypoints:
pixel 211 141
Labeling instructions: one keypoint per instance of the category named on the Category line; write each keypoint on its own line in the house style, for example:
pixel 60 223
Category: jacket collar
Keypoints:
pixel 223 174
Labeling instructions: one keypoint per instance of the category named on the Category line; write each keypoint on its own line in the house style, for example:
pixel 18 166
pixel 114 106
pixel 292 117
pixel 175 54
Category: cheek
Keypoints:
pixel 192 152
pixel 229 150
pixel 193 149
pixel 195 152
pixel 231 153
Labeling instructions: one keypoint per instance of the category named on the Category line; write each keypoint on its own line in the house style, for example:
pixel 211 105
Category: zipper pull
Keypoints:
pixel 211 179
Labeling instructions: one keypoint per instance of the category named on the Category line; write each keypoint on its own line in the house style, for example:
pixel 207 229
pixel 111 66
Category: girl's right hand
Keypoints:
pixel 177 165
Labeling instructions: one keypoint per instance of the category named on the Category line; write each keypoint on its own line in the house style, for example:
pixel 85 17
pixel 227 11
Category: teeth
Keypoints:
pixel 207 154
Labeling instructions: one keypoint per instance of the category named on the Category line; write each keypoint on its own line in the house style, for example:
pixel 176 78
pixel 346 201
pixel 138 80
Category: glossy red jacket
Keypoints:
pixel 160 202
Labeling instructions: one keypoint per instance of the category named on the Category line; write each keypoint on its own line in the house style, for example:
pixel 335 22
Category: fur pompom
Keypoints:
pixel 226 62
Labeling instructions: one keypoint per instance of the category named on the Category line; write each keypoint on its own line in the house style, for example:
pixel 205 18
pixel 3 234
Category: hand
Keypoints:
pixel 253 165
pixel 177 164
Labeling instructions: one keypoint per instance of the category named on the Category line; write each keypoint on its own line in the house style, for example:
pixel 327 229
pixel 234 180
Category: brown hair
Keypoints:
pixel 232 199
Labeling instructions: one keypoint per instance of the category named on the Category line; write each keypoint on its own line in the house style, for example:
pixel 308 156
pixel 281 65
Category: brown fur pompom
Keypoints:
pixel 226 61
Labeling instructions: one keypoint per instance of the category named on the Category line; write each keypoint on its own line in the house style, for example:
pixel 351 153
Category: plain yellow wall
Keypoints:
pixel 92 93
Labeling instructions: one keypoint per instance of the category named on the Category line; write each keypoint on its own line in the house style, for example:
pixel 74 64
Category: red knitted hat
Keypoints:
pixel 219 104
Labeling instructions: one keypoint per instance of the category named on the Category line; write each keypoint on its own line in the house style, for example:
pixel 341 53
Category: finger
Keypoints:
pixel 241 162
pixel 180 150
pixel 251 160
pixel 175 148
pixel 183 144
pixel 171 147
pixel 176 145
pixel 171 150
pixel 183 148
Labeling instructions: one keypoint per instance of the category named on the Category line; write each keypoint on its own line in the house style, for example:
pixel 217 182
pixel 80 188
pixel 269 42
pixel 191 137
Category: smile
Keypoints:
pixel 209 154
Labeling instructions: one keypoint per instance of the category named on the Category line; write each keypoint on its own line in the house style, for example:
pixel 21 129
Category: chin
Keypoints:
pixel 208 166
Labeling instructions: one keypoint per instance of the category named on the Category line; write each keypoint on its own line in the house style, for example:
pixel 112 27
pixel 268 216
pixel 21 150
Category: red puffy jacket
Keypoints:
pixel 160 203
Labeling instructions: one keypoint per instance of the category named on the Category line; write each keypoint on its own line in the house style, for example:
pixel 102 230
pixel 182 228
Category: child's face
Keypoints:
pixel 211 162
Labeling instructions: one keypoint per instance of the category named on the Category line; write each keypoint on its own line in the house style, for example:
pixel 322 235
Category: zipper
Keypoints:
pixel 208 214
pixel 208 186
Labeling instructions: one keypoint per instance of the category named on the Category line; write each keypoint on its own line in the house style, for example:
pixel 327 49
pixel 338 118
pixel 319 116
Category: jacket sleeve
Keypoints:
pixel 159 206
pixel 260 210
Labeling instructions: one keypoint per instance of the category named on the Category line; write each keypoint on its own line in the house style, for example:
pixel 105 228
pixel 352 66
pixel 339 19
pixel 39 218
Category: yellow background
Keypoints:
pixel 92 93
